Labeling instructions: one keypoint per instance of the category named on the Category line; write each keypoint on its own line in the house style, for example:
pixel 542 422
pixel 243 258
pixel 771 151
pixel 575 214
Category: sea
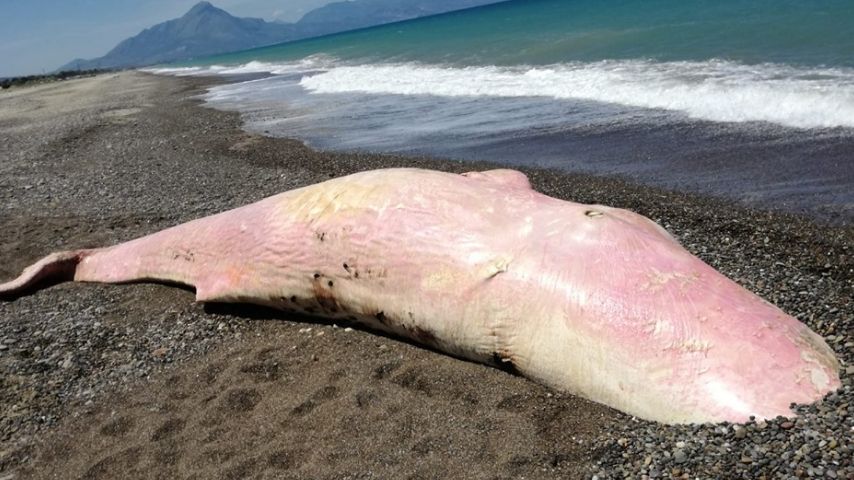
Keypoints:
pixel 749 100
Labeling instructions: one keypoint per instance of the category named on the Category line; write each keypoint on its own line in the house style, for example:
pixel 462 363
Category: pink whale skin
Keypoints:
pixel 591 300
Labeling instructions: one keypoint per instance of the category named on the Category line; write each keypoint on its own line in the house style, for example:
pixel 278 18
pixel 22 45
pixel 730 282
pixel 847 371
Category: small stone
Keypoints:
pixel 348 329
pixel 740 432
pixel 679 456
pixel 160 352
pixel 786 425
pixel 746 459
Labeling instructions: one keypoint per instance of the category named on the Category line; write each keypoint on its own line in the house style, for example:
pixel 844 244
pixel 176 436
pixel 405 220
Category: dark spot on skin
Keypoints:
pixel 356 274
pixel 381 317
pixel 293 299
pixel 324 296
pixel 316 276
pixel 187 256
pixel 505 364
pixel 327 302
pixel 320 235
pixel 422 335
pixel 346 267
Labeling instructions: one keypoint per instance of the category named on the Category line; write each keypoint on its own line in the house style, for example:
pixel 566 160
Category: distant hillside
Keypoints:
pixel 350 15
pixel 208 30
pixel 204 30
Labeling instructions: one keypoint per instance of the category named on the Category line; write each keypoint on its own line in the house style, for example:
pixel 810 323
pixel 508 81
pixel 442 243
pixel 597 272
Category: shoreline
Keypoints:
pixel 132 153
pixel 763 165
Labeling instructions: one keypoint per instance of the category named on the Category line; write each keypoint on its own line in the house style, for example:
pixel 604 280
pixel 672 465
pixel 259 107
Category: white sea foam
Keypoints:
pixel 179 71
pixel 308 63
pixel 251 67
pixel 713 90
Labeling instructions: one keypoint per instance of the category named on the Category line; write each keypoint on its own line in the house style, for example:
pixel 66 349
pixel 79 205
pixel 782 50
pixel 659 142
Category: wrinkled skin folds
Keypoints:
pixel 591 300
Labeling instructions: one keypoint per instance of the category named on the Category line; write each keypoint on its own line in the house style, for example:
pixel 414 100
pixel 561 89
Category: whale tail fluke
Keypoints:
pixel 190 254
pixel 55 268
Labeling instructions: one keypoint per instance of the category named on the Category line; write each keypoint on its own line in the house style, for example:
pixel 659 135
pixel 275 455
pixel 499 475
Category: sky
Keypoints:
pixel 38 36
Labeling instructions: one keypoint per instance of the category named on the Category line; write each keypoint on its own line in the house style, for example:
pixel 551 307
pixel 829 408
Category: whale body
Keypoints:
pixel 591 300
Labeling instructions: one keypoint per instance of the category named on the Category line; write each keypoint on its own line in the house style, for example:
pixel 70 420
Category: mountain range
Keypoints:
pixel 208 30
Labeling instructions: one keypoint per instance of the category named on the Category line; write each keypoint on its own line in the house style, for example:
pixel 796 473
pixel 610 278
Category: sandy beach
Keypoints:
pixel 138 381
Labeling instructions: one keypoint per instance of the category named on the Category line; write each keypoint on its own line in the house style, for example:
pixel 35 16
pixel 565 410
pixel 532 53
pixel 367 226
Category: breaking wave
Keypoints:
pixel 713 90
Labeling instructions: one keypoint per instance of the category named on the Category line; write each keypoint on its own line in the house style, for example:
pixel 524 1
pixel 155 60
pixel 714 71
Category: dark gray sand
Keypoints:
pixel 137 381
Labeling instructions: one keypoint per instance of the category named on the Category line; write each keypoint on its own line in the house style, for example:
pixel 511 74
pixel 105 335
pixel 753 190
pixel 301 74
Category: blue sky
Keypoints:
pixel 40 35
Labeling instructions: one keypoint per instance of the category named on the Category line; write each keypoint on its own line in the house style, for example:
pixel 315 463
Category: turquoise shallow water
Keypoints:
pixel 538 32
pixel 751 100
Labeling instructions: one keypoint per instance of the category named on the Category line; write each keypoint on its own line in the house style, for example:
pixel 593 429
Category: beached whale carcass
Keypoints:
pixel 596 301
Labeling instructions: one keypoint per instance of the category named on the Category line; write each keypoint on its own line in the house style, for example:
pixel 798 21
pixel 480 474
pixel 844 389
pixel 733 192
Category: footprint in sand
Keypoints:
pixel 317 398
pixel 169 429
pixel 241 400
pixel 117 427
